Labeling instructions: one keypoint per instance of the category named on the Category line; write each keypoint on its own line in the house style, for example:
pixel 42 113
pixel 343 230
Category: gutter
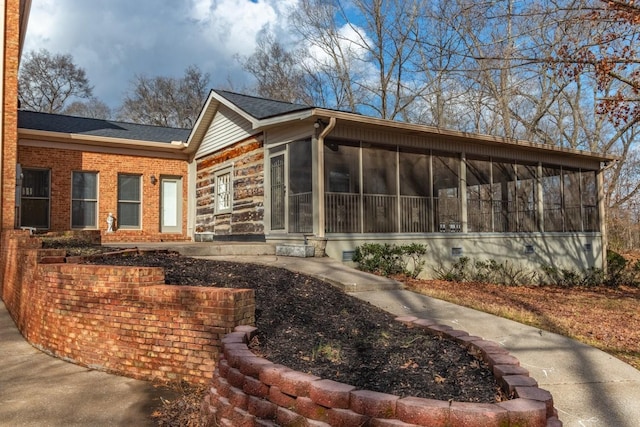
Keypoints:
pixel 321 137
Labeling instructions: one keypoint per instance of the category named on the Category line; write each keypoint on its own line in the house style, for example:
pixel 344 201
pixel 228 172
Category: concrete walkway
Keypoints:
pixel 42 391
pixel 589 387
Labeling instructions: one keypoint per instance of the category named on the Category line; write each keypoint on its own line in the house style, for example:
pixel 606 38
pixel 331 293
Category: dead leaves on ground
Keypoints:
pixel 606 318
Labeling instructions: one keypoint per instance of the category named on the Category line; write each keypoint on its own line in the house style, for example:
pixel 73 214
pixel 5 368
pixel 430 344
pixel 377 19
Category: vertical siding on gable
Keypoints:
pixel 247 217
pixel 227 128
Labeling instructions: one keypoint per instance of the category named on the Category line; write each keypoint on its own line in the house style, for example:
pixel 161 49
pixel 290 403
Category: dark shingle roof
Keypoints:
pixel 98 127
pixel 261 108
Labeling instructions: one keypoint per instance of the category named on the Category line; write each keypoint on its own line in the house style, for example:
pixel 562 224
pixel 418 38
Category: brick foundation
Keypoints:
pixel 251 391
pixel 123 320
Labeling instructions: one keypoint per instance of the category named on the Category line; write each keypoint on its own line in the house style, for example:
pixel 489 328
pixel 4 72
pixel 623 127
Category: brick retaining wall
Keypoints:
pixel 248 390
pixel 117 319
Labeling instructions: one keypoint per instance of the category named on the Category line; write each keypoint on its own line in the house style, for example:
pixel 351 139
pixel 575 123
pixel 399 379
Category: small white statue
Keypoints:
pixel 110 220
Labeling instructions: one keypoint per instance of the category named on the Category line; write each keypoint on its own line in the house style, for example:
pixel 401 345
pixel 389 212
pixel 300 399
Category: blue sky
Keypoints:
pixel 113 40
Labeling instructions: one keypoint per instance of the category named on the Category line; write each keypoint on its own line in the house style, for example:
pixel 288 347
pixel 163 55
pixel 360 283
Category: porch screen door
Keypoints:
pixel 171 205
pixel 278 189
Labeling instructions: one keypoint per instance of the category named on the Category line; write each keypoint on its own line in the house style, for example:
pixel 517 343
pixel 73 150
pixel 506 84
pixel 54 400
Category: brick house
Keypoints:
pixel 74 172
pixel 273 171
pixel 264 170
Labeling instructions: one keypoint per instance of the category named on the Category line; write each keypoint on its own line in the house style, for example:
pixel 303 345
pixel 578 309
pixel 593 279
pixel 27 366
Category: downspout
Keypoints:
pixel 321 137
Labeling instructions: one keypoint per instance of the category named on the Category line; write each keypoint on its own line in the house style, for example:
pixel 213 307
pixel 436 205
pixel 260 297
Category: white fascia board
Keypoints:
pixel 221 99
pixel 202 123
pixel 277 120
pixel 78 138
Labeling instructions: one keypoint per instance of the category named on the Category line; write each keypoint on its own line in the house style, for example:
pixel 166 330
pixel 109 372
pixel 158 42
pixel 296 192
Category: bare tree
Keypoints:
pixel 166 101
pixel 48 82
pixel 332 61
pixel 610 53
pixel 277 71
pixel 93 108
pixel 362 56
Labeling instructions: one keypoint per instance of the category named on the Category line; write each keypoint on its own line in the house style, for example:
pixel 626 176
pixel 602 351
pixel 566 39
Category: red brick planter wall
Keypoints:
pixel 118 319
pixel 248 390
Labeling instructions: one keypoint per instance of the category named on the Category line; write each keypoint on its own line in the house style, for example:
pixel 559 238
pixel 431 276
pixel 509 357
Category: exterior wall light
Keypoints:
pixel 153 180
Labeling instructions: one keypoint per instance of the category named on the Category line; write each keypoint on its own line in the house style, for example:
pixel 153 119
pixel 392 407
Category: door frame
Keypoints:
pixel 281 150
pixel 178 205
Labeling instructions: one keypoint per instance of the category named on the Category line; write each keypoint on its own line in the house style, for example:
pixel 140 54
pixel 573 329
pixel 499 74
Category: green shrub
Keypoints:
pixel 619 272
pixel 458 272
pixel 616 266
pixel 485 271
pixel 572 278
pixel 386 259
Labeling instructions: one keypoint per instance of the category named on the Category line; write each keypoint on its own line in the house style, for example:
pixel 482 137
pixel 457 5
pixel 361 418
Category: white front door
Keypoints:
pixel 171 205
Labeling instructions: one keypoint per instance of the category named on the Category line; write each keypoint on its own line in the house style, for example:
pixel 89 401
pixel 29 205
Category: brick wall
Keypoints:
pixel 63 162
pixel 10 111
pixel 249 390
pixel 247 161
pixel 117 319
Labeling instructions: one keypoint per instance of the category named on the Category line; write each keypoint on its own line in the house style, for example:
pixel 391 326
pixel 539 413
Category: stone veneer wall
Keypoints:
pixel 248 390
pixel 123 320
pixel 246 159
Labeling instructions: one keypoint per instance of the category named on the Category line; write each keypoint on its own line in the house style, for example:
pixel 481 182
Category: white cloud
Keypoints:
pixel 113 40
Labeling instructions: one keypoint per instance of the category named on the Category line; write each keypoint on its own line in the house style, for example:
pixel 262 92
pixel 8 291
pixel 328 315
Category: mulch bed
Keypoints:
pixel 311 326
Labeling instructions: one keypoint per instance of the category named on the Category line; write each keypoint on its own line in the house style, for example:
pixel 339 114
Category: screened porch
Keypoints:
pixel 371 188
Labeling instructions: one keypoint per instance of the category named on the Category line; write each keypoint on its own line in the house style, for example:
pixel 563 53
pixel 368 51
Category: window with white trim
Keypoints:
pixel 84 199
pixel 129 201
pixel 223 191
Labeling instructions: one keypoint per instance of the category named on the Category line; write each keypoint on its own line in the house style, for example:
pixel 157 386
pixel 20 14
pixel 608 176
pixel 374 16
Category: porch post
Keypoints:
pixel 539 197
pixel 602 212
pixel 463 192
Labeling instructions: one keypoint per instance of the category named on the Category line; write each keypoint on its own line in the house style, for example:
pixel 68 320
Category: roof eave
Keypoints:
pixel 79 138
pixel 463 136
pixel 25 10
pixel 284 118
pixel 202 123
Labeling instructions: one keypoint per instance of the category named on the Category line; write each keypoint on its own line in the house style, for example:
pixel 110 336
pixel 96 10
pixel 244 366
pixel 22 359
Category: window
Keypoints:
pixel 590 219
pixel 84 199
pixel 34 200
pixel 342 188
pixel 415 195
pixel 479 195
pixel 222 191
pixel 552 198
pixel 379 187
pixel 446 183
pixel 526 202
pixel 572 200
pixel 129 201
